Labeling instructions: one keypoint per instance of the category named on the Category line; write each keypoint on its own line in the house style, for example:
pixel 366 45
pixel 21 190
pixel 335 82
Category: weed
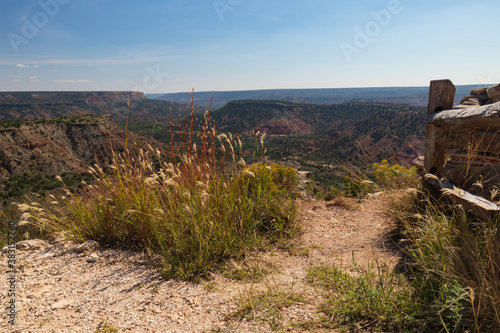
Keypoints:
pixel 246 271
pixel 211 287
pixel 266 305
pixel 197 205
pixel 104 327
pixel 376 298
pixel 395 176
pixel 454 266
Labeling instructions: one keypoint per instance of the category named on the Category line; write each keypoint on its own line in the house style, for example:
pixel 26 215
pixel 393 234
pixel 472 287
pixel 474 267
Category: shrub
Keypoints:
pixel 453 266
pixel 395 176
pixel 195 206
pixel 274 175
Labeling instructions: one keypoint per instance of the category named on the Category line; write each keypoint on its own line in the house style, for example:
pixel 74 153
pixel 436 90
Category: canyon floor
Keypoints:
pixel 66 287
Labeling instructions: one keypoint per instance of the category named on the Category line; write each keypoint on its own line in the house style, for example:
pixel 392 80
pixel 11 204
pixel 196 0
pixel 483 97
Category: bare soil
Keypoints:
pixel 63 288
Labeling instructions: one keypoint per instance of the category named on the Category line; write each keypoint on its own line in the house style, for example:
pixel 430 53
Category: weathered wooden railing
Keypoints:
pixel 462 150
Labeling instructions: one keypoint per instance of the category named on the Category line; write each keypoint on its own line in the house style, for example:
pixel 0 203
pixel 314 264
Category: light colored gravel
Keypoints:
pixel 65 287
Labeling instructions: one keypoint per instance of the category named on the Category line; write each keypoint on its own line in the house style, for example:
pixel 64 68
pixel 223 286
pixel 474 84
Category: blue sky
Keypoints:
pixel 176 45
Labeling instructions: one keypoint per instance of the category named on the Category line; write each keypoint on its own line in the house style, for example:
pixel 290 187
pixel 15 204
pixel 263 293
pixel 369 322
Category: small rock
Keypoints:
pixel 43 255
pixel 462 106
pixel 156 310
pixel 62 304
pixel 493 91
pixel 88 246
pixel 418 162
pixel 305 174
pixel 56 239
pixel 471 100
pixel 31 245
pixel 93 258
pixel 478 91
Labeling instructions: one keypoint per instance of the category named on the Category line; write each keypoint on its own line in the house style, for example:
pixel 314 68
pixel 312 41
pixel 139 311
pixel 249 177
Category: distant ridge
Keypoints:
pixel 415 96
pixel 31 105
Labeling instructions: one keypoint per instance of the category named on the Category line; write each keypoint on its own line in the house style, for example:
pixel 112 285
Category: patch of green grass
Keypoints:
pixel 377 299
pixel 104 327
pixel 454 265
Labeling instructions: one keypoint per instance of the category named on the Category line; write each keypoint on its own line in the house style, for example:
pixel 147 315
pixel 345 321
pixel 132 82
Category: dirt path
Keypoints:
pixel 61 290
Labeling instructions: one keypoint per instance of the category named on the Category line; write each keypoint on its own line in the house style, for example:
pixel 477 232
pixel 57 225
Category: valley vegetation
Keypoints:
pixel 204 199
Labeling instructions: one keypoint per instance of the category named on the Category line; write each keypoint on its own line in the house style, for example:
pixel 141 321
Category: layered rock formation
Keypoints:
pixel 480 96
pixel 60 145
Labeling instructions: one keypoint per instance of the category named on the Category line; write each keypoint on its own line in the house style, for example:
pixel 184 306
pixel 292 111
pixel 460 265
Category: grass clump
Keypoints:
pixel 376 299
pixel 453 267
pixel 197 205
pixel 104 327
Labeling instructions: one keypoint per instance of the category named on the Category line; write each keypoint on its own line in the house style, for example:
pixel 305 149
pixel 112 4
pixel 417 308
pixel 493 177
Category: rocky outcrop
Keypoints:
pixel 52 147
pixel 480 97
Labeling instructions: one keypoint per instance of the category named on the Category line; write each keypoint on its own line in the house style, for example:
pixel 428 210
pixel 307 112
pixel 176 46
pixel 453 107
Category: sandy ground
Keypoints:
pixel 65 287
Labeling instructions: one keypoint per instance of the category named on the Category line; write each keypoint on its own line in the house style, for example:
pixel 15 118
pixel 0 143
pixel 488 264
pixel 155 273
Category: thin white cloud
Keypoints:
pixel 128 57
pixel 17 80
pixel 34 78
pixel 74 81
pixel 27 66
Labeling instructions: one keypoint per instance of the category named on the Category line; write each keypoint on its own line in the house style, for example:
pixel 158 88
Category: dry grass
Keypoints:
pixel 196 205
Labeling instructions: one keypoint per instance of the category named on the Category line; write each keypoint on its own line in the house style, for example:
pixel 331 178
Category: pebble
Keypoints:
pixel 62 304
pixel 92 258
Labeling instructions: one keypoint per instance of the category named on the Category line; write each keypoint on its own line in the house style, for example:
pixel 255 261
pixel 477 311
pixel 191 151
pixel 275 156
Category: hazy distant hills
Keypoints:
pixel 320 133
pixel 44 105
pixel 416 96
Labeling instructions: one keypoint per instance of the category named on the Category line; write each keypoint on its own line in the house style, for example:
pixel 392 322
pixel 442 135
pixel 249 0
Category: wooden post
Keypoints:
pixel 441 96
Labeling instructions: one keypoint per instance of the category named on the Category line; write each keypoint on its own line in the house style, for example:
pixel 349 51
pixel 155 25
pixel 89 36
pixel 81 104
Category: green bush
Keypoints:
pixel 194 206
pixel 395 176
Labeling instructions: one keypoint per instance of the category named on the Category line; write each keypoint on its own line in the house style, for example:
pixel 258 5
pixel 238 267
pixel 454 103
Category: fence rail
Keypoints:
pixel 462 150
